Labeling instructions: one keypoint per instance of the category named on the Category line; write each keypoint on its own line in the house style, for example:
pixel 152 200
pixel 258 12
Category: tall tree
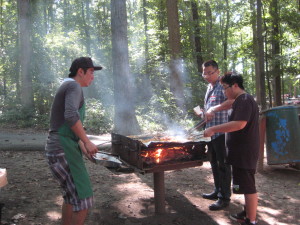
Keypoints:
pixel 162 25
pixel 225 36
pixel 125 121
pixel 260 73
pixel 198 45
pixel 25 53
pixel 146 43
pixel 255 46
pixel 209 31
pixel 4 93
pixel 267 74
pixel 86 21
pixel 176 82
pixel 275 37
pixel 86 33
pixel 66 5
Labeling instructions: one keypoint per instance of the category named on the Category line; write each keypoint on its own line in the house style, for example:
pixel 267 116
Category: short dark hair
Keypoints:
pixel 232 78
pixel 74 72
pixel 212 63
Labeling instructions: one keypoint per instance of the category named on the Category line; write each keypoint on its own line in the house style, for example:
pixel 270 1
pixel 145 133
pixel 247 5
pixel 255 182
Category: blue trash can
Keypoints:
pixel 282 135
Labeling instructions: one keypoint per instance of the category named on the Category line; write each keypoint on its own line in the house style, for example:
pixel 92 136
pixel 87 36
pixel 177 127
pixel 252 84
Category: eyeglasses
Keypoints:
pixel 227 87
pixel 208 74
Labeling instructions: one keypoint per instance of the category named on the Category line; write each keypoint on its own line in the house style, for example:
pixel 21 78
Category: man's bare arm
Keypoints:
pixel 225 128
pixel 210 113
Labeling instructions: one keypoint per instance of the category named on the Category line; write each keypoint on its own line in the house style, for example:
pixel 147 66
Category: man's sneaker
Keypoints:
pixel 211 196
pixel 247 222
pixel 219 204
pixel 239 217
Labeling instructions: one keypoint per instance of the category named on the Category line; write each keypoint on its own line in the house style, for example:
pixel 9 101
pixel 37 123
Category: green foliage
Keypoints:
pixel 20 117
pixel 98 119
pixel 161 114
pixel 60 32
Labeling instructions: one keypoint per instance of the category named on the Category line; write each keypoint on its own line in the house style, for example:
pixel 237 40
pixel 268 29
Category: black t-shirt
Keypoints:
pixel 243 145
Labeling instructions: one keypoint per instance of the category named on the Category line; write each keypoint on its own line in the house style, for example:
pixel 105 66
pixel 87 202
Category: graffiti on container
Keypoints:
pixel 282 135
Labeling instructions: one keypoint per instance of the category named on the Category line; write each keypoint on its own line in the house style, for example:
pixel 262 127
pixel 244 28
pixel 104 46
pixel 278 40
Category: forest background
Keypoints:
pixel 151 51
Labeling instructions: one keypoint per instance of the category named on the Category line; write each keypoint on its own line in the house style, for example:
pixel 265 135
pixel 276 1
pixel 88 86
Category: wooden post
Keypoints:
pixel 159 192
pixel 262 134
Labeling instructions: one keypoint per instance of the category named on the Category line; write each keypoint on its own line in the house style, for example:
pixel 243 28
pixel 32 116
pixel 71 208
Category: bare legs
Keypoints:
pixel 251 206
pixel 72 218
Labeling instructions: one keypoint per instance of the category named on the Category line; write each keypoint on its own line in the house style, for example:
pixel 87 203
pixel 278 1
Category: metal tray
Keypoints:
pixel 107 160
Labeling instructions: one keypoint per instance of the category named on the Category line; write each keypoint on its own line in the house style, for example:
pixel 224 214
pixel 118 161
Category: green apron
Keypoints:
pixel 73 154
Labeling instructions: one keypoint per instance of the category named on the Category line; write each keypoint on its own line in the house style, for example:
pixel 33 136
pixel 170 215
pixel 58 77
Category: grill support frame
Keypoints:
pixel 159 192
pixel 129 151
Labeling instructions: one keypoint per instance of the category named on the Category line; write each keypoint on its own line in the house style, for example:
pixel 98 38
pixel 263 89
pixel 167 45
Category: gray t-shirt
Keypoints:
pixel 65 110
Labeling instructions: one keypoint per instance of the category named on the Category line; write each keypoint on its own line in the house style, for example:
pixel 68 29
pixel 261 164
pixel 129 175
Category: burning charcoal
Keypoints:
pixel 148 151
pixel 162 155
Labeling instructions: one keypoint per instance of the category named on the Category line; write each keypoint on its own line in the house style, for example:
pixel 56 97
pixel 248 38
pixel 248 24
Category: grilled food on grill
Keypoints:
pixel 195 136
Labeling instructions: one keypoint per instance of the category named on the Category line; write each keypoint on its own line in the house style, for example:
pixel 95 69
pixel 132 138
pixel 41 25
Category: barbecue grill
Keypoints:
pixel 156 154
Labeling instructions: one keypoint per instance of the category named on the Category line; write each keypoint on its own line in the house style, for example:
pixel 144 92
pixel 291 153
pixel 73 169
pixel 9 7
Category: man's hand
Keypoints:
pixel 209 115
pixel 86 152
pixel 208 132
pixel 91 148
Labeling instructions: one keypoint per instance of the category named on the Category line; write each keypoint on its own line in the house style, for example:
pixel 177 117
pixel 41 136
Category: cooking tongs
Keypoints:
pixel 197 126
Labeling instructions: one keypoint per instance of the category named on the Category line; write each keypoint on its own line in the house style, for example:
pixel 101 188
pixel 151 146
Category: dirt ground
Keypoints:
pixel 33 197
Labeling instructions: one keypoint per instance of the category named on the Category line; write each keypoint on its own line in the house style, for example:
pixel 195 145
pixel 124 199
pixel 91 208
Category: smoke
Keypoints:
pixel 150 82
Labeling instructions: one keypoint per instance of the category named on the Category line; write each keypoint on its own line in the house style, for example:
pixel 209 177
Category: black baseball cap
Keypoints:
pixel 83 62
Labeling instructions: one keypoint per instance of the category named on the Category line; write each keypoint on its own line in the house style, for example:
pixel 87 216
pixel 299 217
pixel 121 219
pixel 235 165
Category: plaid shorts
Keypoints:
pixel 61 171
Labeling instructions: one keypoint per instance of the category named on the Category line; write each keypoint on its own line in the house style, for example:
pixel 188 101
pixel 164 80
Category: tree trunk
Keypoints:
pixel 209 31
pixel 162 26
pixel 198 46
pixel 86 22
pixel 146 93
pixel 25 53
pixel 255 47
pixel 2 47
pixel 176 83
pixel 225 38
pixel 260 88
pixel 275 52
pixel 66 13
pixel 125 121
pixel 51 18
pixel 85 12
pixel 145 17
pixel 267 66
pixel 45 17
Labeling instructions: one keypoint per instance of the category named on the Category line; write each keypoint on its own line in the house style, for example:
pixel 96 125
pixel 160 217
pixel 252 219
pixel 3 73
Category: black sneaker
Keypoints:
pixel 219 204
pixel 239 217
pixel 211 196
pixel 247 222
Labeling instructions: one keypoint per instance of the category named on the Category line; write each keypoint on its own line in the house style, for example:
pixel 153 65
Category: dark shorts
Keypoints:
pixel 61 171
pixel 243 181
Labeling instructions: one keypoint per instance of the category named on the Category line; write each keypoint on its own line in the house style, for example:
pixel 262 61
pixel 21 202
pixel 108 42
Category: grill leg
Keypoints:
pixel 159 192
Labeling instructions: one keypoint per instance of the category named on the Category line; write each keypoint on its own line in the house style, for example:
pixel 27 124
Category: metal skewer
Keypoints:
pixel 197 126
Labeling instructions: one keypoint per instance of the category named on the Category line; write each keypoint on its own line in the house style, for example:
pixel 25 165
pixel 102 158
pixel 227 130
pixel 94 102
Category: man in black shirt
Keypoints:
pixel 242 144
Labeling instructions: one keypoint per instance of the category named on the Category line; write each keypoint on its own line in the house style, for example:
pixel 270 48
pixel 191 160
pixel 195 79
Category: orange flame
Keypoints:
pixel 157 154
pixel 160 155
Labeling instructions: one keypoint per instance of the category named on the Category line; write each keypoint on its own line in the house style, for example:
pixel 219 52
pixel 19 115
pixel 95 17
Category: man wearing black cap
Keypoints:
pixel 67 141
